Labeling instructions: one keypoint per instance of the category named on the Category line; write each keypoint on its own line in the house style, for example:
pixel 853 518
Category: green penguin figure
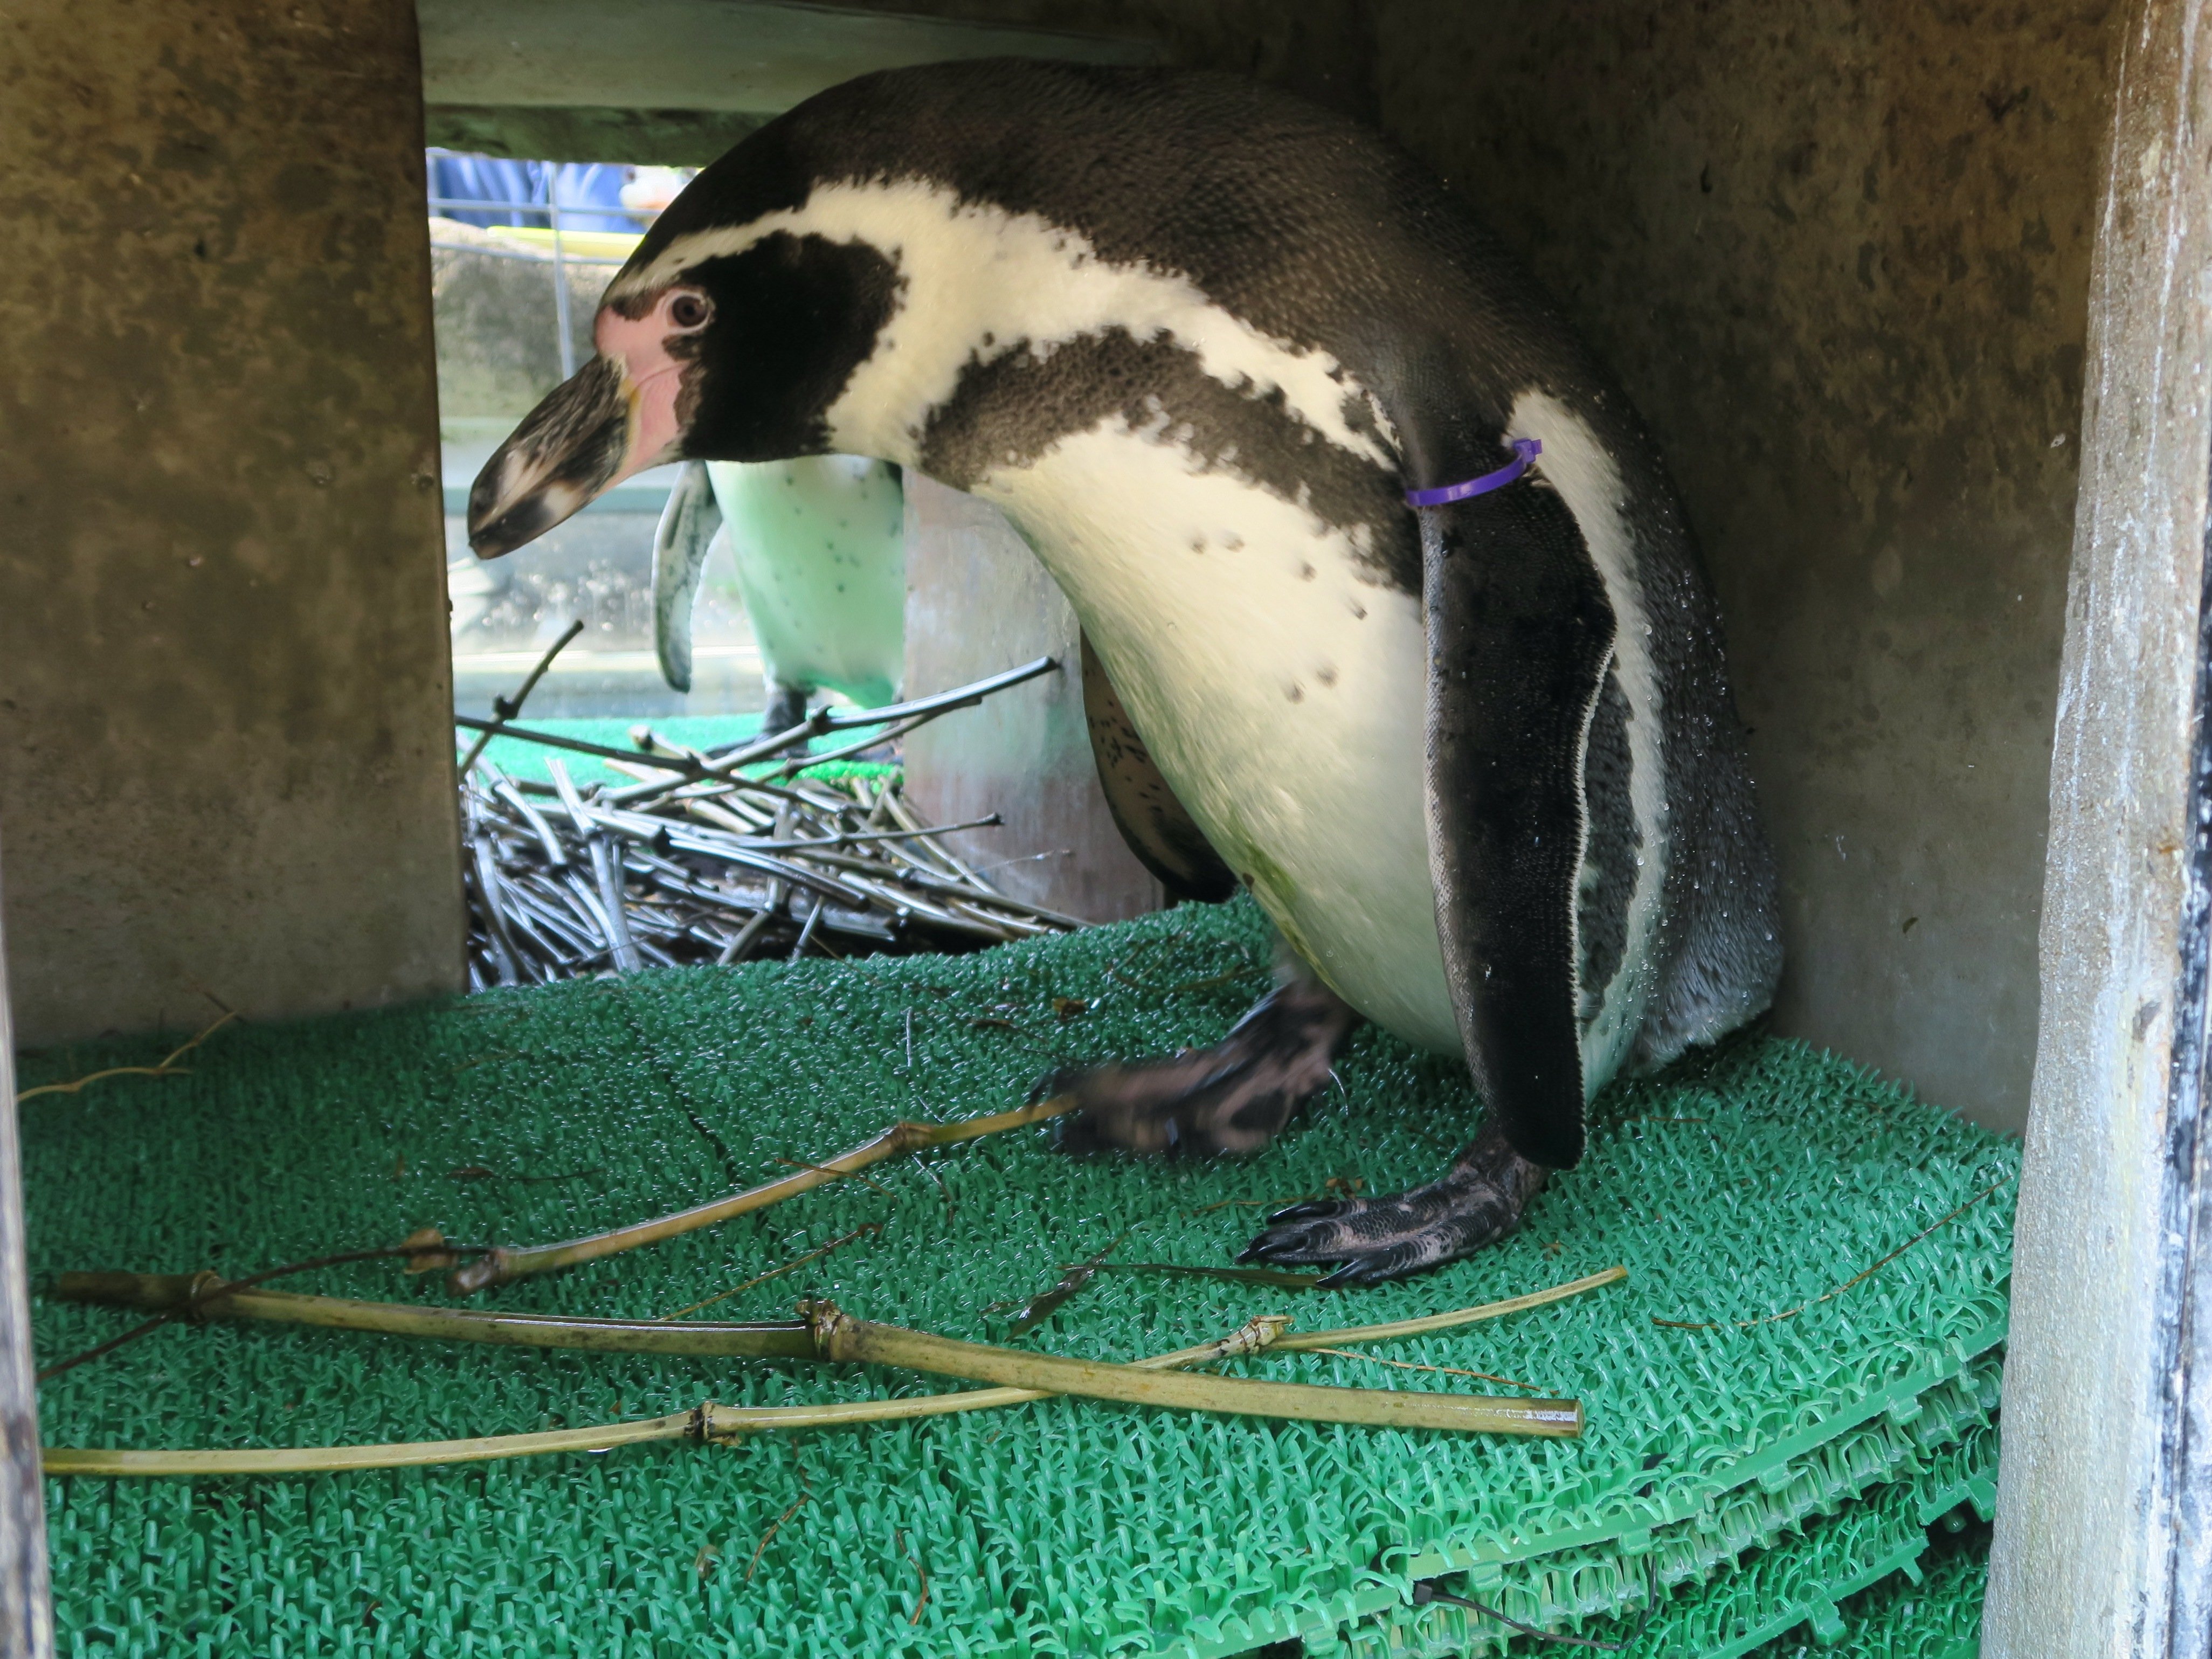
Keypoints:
pixel 819 545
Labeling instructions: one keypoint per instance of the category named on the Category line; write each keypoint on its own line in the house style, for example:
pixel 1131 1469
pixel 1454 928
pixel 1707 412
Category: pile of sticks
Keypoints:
pixel 720 856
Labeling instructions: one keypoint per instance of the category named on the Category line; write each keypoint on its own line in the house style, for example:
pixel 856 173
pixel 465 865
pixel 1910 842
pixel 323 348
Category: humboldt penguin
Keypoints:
pixel 818 543
pixel 1388 585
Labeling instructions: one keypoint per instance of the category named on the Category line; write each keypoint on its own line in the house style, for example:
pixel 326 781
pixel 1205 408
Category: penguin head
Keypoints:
pixel 726 336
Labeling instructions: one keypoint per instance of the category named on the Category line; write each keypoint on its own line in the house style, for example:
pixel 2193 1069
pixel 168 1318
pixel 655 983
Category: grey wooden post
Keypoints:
pixel 27 1614
pixel 2101 1540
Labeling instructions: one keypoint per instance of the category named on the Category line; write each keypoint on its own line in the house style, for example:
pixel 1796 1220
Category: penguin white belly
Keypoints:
pixel 1280 687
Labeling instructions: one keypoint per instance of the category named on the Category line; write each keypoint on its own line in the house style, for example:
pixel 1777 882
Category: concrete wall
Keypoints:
pixel 1323 49
pixel 223 750
pixel 1838 251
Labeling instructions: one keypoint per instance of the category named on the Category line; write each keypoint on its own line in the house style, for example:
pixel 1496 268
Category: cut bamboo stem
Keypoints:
pixel 829 1334
pixel 502 1266
pixel 207 1297
pixel 710 1422
pixel 837 1335
pixel 162 1292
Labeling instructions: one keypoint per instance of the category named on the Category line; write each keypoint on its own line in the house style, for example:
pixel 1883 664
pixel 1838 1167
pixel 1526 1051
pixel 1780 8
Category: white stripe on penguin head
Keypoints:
pixel 980 282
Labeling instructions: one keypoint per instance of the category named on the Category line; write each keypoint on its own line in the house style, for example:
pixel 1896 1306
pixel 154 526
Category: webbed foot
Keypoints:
pixel 1233 1097
pixel 1481 1199
pixel 786 708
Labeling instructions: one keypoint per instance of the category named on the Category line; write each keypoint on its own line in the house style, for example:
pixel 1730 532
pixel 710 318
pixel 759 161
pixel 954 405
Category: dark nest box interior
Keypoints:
pixel 1911 300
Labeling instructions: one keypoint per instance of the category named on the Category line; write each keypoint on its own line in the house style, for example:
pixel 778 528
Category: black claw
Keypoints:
pixel 1351 1276
pixel 1080 1137
pixel 1382 1266
pixel 1371 1240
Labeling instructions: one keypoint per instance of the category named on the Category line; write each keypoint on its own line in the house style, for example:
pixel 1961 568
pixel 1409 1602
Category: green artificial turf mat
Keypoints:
pixel 1814 1584
pixel 1742 1184
pixel 519 758
pixel 1937 1617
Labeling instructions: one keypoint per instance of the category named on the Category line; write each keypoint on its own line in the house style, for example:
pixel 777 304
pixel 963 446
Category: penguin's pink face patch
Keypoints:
pixel 653 350
pixel 620 413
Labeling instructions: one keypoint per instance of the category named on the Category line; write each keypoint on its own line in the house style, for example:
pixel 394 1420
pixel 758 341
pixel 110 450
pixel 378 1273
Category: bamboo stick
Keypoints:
pixel 160 1292
pixel 837 1335
pixel 207 1298
pixel 827 1335
pixel 502 1266
pixel 709 1422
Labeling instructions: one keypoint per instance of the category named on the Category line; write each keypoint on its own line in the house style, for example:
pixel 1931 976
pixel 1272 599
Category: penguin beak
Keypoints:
pixel 614 416
pixel 566 452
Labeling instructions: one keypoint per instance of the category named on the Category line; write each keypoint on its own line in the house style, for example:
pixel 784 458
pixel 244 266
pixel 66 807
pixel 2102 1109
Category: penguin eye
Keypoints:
pixel 688 310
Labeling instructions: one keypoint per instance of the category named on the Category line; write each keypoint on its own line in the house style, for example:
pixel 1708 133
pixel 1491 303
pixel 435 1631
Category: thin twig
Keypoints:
pixel 1424 1594
pixel 1043 1305
pixel 775 1272
pixel 1271 1278
pixel 1447 1370
pixel 914 1618
pixel 1445 1321
pixel 203 1292
pixel 506 708
pixel 773 1526
pixel 1864 1273
pixel 169 1068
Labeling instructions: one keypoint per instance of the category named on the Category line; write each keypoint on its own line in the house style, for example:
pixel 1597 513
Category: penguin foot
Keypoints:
pixel 1481 1200
pixel 786 708
pixel 1231 1097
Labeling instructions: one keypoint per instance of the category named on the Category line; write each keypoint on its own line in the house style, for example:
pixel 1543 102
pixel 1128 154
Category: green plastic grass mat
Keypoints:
pixel 518 758
pixel 1812 1586
pixel 1937 1616
pixel 1744 1184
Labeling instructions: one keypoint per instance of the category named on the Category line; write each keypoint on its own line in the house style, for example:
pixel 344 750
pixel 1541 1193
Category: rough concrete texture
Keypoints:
pixel 224 768
pixel 2103 1545
pixel 1838 253
pixel 1323 49
pixel 977 603
pixel 572 58
pixel 687 106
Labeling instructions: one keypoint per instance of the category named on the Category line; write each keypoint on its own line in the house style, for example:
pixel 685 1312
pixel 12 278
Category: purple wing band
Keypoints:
pixel 1525 450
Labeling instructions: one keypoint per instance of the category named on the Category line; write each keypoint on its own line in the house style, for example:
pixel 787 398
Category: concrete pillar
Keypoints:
pixel 978 602
pixel 225 760
pixel 2104 1541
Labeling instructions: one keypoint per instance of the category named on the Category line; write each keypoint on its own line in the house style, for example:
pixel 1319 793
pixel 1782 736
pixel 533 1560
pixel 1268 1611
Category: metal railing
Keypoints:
pixel 551 212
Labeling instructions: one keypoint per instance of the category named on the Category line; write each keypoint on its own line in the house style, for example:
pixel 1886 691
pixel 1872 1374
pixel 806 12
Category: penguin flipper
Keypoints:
pixel 1157 827
pixel 1520 636
pixel 681 542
